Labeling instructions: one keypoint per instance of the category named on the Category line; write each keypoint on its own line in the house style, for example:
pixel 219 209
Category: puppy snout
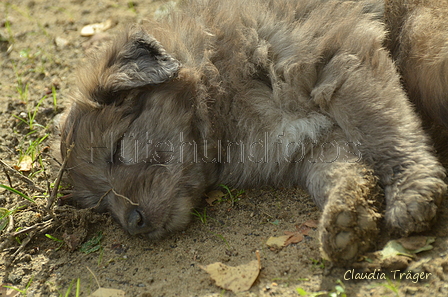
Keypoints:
pixel 137 223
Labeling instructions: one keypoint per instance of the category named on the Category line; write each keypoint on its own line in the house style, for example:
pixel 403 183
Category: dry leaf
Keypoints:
pixel 407 246
pixel 214 196
pixel 236 279
pixel 278 242
pixel 294 237
pixel 397 254
pixel 26 164
pixel 103 292
pixel 311 223
pixel 304 230
pixel 93 29
pixel 416 243
pixel 394 248
pixel 306 227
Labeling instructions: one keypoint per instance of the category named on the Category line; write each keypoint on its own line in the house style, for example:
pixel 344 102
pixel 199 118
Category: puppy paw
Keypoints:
pixel 412 200
pixel 347 232
pixel 410 214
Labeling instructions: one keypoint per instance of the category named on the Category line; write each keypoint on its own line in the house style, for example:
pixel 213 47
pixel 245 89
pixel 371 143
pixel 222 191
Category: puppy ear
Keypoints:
pixel 134 60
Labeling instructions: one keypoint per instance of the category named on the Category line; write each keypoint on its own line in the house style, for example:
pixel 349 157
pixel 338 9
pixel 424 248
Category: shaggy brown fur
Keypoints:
pixel 248 93
pixel 419 43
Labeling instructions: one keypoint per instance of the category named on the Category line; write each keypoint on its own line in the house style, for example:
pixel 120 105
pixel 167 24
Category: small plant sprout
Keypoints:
pixel 55 98
pixel 318 263
pixel 30 119
pixel 233 197
pixel 339 290
pixel 8 29
pixel 78 287
pixel 60 241
pixel 23 292
pixel 303 292
pixel 201 216
pixel 4 218
pixel 131 6
pixel 92 245
pixel 220 236
pixel 69 289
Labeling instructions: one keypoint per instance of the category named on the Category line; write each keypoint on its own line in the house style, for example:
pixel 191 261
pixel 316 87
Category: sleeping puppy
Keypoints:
pixel 249 93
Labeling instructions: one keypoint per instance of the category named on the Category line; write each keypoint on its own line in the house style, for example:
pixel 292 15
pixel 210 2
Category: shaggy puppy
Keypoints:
pixel 248 93
pixel 418 41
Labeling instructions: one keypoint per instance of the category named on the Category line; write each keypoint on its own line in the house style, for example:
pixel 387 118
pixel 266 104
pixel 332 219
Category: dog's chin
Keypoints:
pixel 160 233
pixel 151 233
pixel 156 234
pixel 168 228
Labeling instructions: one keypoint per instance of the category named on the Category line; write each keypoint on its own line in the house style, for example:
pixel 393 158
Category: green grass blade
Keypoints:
pixel 54 238
pixel 17 192
pixel 78 287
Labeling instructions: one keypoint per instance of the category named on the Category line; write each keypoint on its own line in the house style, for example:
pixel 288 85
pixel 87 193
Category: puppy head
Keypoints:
pixel 127 102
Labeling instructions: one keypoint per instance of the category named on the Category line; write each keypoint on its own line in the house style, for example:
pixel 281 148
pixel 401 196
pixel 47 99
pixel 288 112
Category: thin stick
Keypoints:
pixel 25 230
pixel 5 242
pixel 101 199
pixel 6 239
pixel 94 276
pixel 48 181
pixel 257 252
pixel 54 193
pixel 8 177
pixel 125 198
pixel 10 224
pixel 24 243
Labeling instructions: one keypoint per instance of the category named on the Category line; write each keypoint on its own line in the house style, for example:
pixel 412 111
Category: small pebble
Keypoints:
pixel 61 42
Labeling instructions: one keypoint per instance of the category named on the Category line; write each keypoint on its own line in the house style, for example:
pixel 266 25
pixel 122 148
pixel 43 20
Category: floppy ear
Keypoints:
pixel 134 60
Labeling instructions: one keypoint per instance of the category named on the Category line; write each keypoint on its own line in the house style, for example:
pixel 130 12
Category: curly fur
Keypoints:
pixel 285 93
pixel 418 41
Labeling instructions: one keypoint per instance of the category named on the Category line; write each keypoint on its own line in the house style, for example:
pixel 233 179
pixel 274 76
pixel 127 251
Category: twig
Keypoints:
pixel 101 199
pixel 54 159
pixel 42 225
pixel 117 194
pixel 8 235
pixel 5 242
pixel 21 247
pixel 10 225
pixel 125 198
pixel 33 230
pixel 8 177
pixel 48 181
pixel 94 276
pixel 21 176
pixel 54 193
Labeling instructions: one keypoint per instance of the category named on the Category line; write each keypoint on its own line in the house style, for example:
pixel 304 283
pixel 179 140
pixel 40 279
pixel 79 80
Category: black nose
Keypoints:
pixel 137 223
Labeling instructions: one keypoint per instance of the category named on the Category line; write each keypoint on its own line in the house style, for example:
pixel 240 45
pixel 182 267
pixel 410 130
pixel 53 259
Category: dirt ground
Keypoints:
pixel 40 48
